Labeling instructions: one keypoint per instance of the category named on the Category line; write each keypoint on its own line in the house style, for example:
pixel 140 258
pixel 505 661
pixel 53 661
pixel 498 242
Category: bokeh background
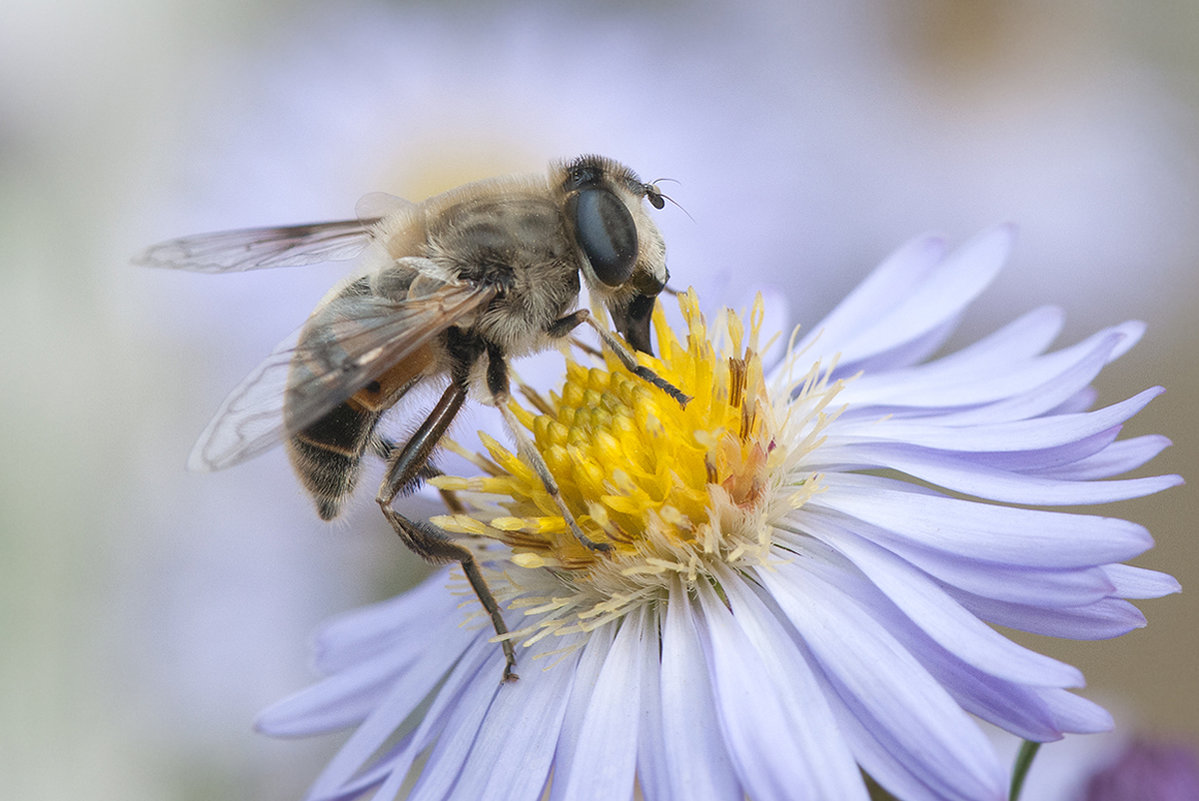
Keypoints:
pixel 146 613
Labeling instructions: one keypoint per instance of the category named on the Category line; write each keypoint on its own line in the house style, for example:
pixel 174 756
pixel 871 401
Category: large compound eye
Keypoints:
pixel 605 230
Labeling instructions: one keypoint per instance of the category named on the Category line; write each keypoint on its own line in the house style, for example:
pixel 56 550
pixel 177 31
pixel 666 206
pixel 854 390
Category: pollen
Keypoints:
pixel 666 490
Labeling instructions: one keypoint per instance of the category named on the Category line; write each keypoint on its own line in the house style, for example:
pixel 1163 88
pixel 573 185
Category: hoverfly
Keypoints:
pixel 449 290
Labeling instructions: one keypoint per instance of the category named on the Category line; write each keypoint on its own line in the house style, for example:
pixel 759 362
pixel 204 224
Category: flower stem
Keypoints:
pixel 1028 751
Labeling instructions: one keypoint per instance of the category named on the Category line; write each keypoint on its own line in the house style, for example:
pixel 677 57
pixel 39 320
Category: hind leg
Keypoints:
pixel 407 466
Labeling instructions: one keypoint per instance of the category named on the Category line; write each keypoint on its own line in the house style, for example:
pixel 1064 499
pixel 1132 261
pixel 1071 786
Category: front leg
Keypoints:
pixel 563 326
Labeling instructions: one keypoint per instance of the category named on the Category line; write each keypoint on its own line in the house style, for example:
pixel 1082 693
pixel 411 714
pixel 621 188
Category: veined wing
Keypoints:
pixel 257 248
pixel 359 339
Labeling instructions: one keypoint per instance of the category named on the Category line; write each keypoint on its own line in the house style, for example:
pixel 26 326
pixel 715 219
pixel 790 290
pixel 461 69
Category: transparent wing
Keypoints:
pixel 258 248
pixel 300 382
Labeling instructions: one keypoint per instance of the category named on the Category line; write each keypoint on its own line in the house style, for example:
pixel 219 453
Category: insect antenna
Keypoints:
pixel 658 199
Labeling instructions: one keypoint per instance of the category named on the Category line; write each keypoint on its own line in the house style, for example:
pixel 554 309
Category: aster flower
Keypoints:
pixel 804 562
pixel 1147 771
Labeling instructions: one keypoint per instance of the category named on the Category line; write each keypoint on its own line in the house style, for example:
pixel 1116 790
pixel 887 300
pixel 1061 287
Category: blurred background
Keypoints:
pixel 146 613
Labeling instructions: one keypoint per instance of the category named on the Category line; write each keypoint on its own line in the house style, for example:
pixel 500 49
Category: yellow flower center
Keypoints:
pixel 669 489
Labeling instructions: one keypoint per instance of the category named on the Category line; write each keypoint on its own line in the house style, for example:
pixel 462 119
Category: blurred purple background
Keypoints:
pixel 146 613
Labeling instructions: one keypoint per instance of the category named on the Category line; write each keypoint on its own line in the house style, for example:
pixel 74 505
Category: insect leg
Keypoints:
pixel 497 385
pixel 406 468
pixel 384 448
pixel 571 321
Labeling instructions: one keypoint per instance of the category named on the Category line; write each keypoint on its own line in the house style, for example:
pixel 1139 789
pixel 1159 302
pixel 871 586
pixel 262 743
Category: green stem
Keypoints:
pixel 1028 750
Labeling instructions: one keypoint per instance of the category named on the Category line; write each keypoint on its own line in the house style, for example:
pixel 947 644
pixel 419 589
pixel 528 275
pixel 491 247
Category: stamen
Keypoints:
pixel 676 491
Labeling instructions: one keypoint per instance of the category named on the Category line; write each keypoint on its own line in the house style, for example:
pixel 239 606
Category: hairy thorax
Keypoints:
pixel 519 245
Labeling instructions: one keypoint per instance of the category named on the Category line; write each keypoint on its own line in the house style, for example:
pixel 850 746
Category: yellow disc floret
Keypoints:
pixel 668 488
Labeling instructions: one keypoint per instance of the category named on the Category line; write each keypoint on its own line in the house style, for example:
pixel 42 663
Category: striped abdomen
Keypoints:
pixel 327 455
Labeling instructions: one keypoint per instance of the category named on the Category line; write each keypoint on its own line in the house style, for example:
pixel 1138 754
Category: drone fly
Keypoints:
pixel 448 291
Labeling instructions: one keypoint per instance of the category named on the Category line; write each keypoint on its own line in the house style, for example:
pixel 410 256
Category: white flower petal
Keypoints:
pixel 1019 435
pixel 939 298
pixel 902 705
pixel 763 686
pixel 1116 458
pixel 587 673
pixel 940 617
pixel 512 755
pixel 907 267
pixel 988 532
pixel 461 724
pixel 609 726
pixel 695 761
pixel 1101 620
pixel 977 478
pixel 384 679
pixel 1137 582
pixel 343 770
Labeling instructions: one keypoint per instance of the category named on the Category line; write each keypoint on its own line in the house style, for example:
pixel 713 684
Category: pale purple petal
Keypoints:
pixel 398 678
pixel 350 638
pixel 380 726
pixel 609 724
pixel 1042 386
pixel 1047 381
pixel 1013 344
pixel 653 749
pixel 587 673
pixel 1101 620
pixel 941 618
pixel 1059 588
pixel 1000 534
pixel 877 757
pixel 969 674
pixel 1075 713
pixel 934 301
pixel 461 729
pixel 902 355
pixel 1081 401
pixel 977 478
pixel 902 706
pixel 905 268
pixel 520 731
pixel 1045 457
pixel 1137 582
pixel 694 757
pixel 1020 435
pixel 1116 458
pixel 763 686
